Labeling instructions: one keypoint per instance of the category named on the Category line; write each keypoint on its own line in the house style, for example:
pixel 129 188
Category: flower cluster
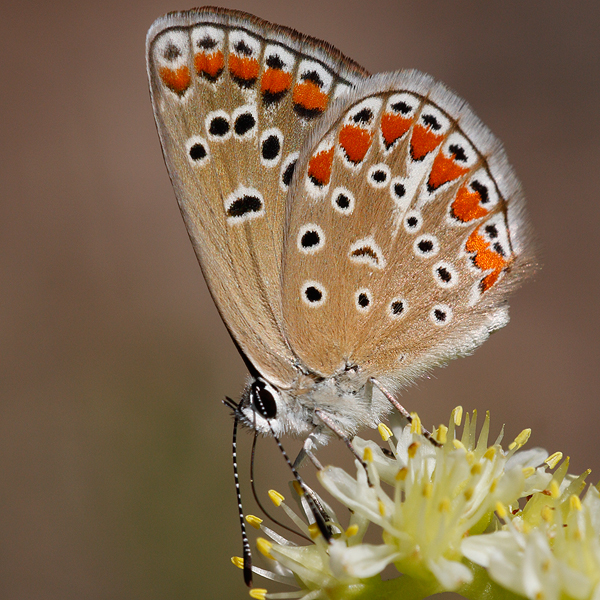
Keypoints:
pixel 461 515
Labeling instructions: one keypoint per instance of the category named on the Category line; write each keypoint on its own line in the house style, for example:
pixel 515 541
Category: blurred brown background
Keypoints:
pixel 115 477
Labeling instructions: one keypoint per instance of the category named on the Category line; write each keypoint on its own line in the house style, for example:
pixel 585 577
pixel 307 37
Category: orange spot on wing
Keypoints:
pixel 486 259
pixel 466 205
pixel 209 64
pixel 177 80
pixel 319 167
pixel 309 95
pixel 243 67
pixel 275 81
pixel 393 127
pixel 423 141
pixel 444 169
pixel 355 141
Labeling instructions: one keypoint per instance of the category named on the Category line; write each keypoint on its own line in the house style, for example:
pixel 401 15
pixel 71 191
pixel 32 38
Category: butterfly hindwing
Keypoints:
pixel 403 233
pixel 234 98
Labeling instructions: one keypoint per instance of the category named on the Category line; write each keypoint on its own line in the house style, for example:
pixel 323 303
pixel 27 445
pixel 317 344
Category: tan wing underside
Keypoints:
pixel 372 249
pixel 214 70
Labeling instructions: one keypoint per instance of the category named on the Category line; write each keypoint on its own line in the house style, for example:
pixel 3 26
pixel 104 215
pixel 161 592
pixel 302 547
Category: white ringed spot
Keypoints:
pixel 343 201
pixel 313 293
pixel 287 171
pixel 379 175
pixel 218 126
pixel 244 204
pixel 426 246
pixel 413 221
pixel 445 274
pixel 271 143
pixel 440 315
pixel 198 150
pixel 363 300
pixel 366 251
pixel 310 238
pixel 244 121
pixel 398 308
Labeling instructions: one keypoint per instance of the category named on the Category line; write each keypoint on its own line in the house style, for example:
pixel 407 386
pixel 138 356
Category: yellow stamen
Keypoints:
pixel 476 469
pixel 381 506
pixel 384 431
pixel 352 530
pixel 276 497
pixel 238 561
pixel 457 415
pixel 254 521
pixel 313 531
pixel 412 449
pixel 297 488
pixel 554 489
pixel 258 593
pixel 445 505
pixel 501 510
pixel 554 459
pixel 416 426
pixel 441 434
pixel 547 514
pixel 575 502
pixel 427 490
pixel 264 547
pixel 401 474
pixel 459 445
pixel 521 439
pixel 528 472
pixel 468 493
pixel 368 455
pixel 470 457
pixel 490 453
pixel 493 485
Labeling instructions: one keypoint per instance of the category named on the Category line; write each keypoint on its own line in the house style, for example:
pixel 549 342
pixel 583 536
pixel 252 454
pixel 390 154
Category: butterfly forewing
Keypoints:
pixel 402 238
pixel 234 98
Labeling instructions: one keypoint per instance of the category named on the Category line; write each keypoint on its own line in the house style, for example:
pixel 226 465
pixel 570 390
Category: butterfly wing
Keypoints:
pixel 233 98
pixel 404 233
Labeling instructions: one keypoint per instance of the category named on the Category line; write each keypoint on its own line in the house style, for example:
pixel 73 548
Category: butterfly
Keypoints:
pixel 355 231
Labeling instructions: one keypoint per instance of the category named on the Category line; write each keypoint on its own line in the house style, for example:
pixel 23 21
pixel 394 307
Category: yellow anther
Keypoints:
pixel 468 493
pixel 297 488
pixel 368 455
pixel 416 425
pixel 554 459
pixel 500 510
pixel 445 505
pixel 238 561
pixel 381 507
pixel 459 445
pixel 412 449
pixel 441 435
pixel 547 514
pixel 490 453
pixel 528 472
pixel 539 595
pixel 575 502
pixel 264 547
pixel 314 531
pixel 554 489
pixel 476 469
pixel 522 438
pixel 470 456
pixel 352 530
pixel 254 521
pixel 384 431
pixel 401 474
pixel 457 415
pixel 258 593
pixel 493 485
pixel 427 490
pixel 276 497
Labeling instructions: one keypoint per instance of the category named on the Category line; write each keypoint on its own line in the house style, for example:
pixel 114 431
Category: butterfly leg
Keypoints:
pixel 308 452
pixel 394 402
pixel 330 423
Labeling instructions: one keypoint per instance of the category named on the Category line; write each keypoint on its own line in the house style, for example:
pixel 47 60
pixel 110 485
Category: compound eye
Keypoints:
pixel 263 400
